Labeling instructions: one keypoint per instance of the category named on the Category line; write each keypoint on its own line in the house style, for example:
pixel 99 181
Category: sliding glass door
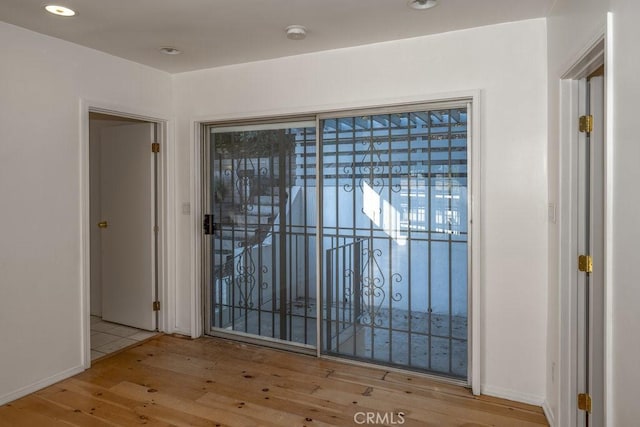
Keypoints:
pixel 360 234
pixel 260 231
pixel 394 236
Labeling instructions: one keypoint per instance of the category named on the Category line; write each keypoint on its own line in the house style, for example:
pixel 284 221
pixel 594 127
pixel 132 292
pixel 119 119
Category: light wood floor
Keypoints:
pixel 170 381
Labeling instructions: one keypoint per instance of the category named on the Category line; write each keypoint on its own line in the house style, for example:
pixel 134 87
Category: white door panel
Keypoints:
pixel 127 189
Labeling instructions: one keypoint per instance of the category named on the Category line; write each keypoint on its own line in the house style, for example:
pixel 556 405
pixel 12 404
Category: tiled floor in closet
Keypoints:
pixel 107 337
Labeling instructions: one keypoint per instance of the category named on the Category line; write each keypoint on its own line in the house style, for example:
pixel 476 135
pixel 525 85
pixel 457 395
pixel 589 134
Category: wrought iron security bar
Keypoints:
pixel 395 239
pixel 393 243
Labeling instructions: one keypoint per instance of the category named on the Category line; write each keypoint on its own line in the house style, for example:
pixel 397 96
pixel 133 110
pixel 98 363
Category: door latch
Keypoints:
pixel 208 225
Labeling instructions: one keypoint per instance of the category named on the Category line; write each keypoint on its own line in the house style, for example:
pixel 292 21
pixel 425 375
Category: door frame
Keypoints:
pixel 475 153
pixel 166 255
pixel 596 53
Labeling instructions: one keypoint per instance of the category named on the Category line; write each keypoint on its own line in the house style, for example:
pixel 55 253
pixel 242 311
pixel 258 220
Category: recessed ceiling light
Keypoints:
pixel 422 4
pixel 170 51
pixel 60 10
pixel 296 32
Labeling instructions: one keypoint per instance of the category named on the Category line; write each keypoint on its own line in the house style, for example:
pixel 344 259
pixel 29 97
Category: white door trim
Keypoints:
pixel 196 176
pixel 166 198
pixel 608 222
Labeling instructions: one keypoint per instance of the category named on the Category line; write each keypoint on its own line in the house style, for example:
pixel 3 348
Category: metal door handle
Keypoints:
pixel 103 224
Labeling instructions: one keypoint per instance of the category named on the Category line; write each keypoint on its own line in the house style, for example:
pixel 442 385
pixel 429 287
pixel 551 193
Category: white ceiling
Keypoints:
pixel 212 33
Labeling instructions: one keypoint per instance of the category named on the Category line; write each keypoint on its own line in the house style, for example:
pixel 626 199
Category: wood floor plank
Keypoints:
pixel 217 413
pixel 451 401
pixel 99 409
pixel 31 411
pixel 170 381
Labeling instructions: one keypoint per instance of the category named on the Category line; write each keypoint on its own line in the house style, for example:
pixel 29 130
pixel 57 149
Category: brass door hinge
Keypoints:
pixel 584 402
pixel 155 147
pixel 586 124
pixel 156 306
pixel 585 263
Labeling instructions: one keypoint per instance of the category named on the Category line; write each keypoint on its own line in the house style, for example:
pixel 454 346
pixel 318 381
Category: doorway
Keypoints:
pixel 583 263
pixel 343 235
pixel 123 174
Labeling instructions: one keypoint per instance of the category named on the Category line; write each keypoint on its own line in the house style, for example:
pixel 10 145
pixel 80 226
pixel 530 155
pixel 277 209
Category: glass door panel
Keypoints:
pixel 395 239
pixel 260 199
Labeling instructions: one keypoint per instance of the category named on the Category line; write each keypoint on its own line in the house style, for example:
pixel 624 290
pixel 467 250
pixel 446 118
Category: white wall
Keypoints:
pixel 42 80
pixel 40 174
pixel 508 64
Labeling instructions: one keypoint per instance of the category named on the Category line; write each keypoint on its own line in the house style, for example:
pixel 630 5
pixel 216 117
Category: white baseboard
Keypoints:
pixel 517 396
pixel 6 398
pixel 504 393
pixel 181 331
pixel 548 413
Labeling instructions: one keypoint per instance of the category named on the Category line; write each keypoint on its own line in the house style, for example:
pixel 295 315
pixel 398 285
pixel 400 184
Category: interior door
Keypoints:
pixel 590 320
pixel 127 204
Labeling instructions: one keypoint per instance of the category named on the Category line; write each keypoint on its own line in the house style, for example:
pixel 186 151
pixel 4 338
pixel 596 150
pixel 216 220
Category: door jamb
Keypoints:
pixel 166 218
